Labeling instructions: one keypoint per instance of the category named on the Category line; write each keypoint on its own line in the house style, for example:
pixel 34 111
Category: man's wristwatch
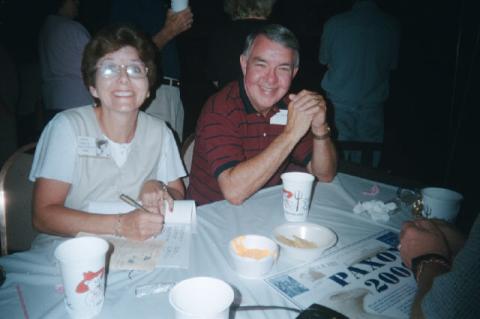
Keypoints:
pixel 419 262
pixel 323 136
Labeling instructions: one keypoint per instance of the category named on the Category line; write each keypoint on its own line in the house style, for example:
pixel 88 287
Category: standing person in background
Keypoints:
pixel 359 48
pixel 61 44
pixel 226 43
pixel 162 24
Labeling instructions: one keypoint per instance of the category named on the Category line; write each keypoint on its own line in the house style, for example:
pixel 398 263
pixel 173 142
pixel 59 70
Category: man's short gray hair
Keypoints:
pixel 278 34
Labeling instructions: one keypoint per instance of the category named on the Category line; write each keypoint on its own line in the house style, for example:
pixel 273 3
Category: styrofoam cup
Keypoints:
pixel 249 267
pixel 441 203
pixel 179 5
pixel 82 264
pixel 201 298
pixel 297 191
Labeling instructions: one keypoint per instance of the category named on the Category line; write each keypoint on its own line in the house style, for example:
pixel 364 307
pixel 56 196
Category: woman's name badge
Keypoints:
pixel 93 147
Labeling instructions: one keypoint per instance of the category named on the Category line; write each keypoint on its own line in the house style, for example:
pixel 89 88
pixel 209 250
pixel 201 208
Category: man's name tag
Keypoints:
pixel 94 147
pixel 280 118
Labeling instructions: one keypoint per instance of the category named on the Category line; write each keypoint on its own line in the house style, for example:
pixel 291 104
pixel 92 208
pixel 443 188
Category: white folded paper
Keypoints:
pixel 377 210
pixel 184 212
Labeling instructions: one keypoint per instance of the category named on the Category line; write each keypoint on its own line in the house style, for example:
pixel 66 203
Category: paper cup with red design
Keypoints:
pixel 297 191
pixel 82 265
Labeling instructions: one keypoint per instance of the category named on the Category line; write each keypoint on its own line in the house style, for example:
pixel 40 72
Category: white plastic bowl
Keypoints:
pixel 320 236
pixel 250 267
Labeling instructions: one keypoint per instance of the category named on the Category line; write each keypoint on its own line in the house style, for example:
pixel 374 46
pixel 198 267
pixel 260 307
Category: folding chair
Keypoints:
pixel 187 154
pixel 16 230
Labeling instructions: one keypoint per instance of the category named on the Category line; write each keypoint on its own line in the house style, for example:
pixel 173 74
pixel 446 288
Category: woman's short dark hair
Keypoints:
pixel 113 38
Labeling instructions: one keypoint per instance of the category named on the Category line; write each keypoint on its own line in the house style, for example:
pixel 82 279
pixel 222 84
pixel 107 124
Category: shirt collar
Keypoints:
pixel 248 107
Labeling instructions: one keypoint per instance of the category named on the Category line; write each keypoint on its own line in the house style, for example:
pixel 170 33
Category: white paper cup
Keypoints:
pixel 441 203
pixel 82 264
pixel 297 190
pixel 201 298
pixel 179 5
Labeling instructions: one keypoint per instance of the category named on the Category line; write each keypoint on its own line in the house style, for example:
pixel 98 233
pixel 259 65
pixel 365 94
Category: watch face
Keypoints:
pixel 316 311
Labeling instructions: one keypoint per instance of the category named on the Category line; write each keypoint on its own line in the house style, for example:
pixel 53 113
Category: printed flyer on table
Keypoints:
pixel 366 279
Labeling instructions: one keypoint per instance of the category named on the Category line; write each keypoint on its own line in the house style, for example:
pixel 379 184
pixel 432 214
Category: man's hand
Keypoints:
pixel 306 109
pixel 455 239
pixel 422 237
pixel 175 23
pixel 178 22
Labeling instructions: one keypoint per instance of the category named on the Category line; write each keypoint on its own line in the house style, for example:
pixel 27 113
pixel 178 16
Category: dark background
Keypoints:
pixel 431 114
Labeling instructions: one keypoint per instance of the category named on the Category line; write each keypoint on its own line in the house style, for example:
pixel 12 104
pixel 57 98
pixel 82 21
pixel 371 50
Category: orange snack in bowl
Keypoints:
pixel 254 253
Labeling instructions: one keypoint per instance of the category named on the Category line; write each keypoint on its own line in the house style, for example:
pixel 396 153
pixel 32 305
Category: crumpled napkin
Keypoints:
pixel 376 209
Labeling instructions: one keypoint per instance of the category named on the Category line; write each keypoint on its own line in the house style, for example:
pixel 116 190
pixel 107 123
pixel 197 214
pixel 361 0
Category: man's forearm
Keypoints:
pixel 324 160
pixel 162 37
pixel 243 180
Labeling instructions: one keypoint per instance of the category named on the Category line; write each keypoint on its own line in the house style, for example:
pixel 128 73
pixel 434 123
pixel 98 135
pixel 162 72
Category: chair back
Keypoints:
pixel 187 155
pixel 16 229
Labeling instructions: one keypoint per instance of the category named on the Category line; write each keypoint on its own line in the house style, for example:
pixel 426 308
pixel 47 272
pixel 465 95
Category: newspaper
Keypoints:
pixel 366 279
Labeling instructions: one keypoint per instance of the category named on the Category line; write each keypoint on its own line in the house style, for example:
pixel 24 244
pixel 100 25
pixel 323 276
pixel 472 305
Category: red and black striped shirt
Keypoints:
pixel 229 131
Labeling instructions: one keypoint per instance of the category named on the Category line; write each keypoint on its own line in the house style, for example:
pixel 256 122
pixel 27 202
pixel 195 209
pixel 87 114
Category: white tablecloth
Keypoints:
pixel 33 285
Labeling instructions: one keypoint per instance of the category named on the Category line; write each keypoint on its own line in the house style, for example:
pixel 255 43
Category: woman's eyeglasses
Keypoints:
pixel 112 70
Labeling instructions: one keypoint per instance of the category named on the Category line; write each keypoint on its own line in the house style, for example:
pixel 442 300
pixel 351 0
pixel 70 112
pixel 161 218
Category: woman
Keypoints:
pixel 75 173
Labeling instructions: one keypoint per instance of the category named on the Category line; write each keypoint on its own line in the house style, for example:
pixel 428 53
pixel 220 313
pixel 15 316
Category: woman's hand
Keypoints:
pixel 154 194
pixel 140 225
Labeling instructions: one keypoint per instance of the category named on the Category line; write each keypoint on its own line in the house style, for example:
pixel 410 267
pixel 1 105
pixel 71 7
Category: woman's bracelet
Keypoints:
pixel 118 226
pixel 419 262
pixel 164 186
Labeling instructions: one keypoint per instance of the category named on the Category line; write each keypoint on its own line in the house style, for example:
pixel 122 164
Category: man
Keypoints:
pixel 447 270
pixel 162 25
pixel 61 44
pixel 359 48
pixel 237 149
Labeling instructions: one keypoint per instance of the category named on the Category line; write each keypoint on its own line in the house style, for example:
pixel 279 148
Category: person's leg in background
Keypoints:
pixel 370 127
pixel 360 123
pixel 168 106
pixel 345 124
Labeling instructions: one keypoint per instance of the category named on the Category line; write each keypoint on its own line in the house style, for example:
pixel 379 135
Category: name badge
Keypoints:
pixel 93 147
pixel 279 118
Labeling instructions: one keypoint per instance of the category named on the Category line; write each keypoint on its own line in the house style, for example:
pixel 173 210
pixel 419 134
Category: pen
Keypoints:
pixel 127 199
